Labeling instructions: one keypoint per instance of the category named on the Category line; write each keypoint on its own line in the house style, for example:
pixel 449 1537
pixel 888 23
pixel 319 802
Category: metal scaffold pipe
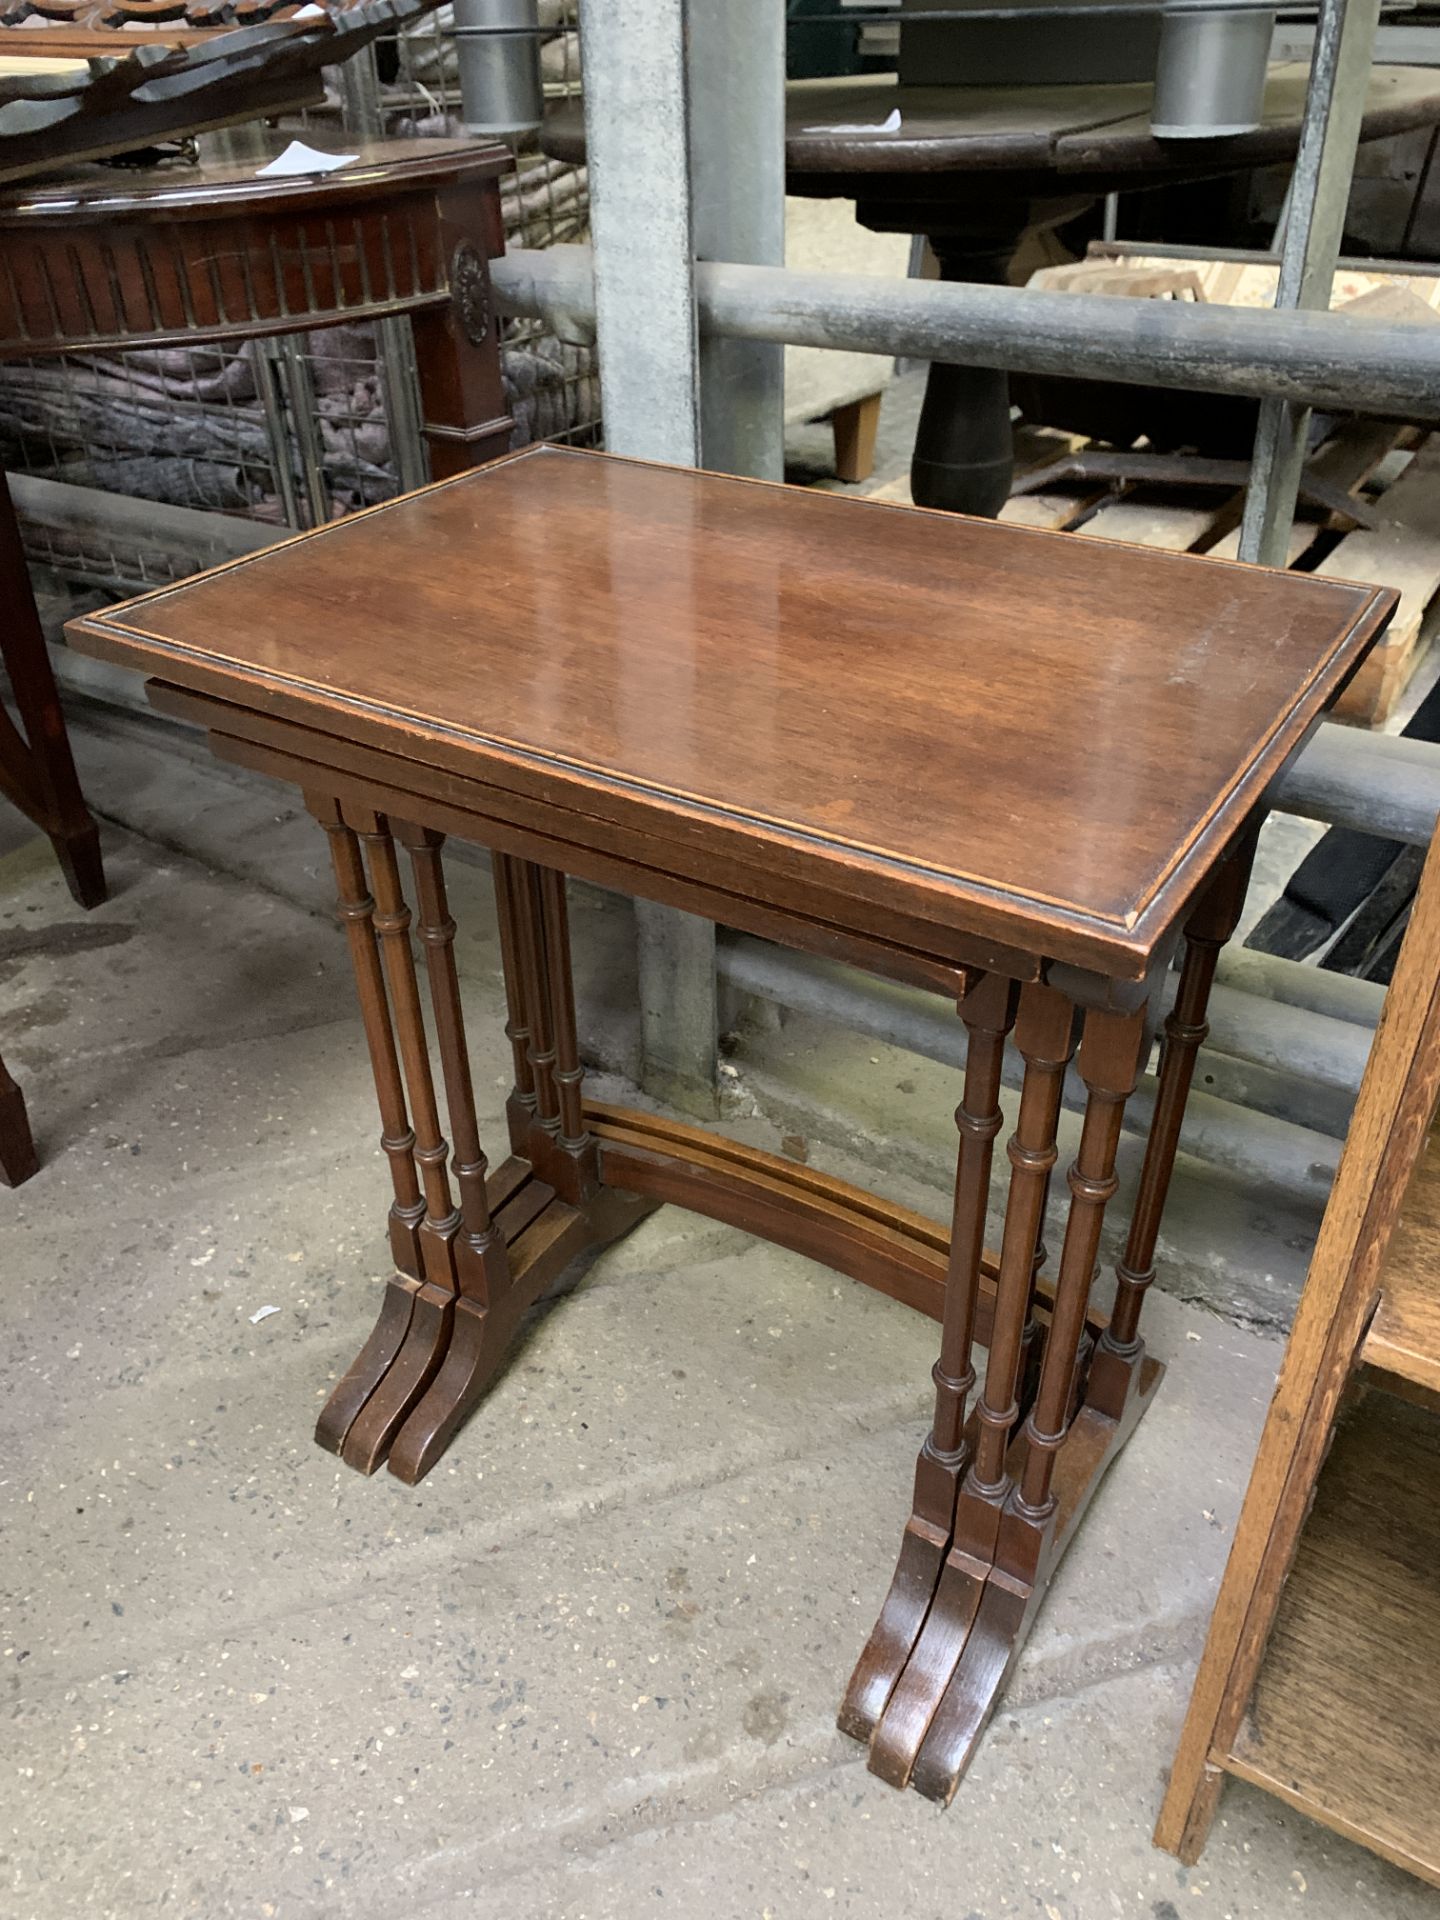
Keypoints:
pixel 1333 361
pixel 1298 1160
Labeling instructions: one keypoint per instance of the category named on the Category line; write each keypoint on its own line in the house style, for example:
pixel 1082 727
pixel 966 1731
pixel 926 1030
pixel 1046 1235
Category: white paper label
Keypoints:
pixel 298 158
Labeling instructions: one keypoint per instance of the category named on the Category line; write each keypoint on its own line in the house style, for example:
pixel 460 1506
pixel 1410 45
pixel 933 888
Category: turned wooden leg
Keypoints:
pixel 407 1209
pixel 556 1141
pixel 1116 1370
pixel 537 998
pixel 467 1274
pixel 483 1270
pixel 578 1163
pixel 1044 1033
pixel 482 1260
pixel 546 1205
pixel 37 772
pixel 1032 1344
pixel 1029 1536
pixel 1110 1054
pixel 520 1107
pixel 988 1012
pixel 432 1312
pixel 855 429
pixel 17 1148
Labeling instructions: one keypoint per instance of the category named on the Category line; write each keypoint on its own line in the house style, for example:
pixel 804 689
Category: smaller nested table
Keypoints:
pixel 1013 767
pixel 93 260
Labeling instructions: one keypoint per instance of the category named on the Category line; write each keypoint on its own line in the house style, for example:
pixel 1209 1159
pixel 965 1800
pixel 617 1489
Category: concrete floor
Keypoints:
pixel 590 1667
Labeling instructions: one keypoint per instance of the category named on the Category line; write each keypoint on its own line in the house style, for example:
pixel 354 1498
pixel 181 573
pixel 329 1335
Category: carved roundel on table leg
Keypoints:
pixel 470 289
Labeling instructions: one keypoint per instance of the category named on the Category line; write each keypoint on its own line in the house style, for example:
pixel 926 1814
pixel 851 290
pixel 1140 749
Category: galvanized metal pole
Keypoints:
pixel 1318 195
pixel 737 177
pixel 735 98
pixel 637 148
pixel 1320 359
pixel 1294 1158
pixel 637 135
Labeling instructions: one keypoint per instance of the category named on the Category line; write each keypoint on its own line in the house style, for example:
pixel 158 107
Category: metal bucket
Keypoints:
pixel 1210 75
pixel 497 44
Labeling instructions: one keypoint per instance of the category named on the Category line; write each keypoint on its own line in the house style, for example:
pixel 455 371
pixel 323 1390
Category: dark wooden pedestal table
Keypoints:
pixel 972 168
pixel 1017 769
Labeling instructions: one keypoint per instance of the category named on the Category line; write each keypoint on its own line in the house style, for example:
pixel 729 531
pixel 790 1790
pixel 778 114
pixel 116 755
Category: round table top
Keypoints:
pixel 173 255
pixel 173 191
pixel 840 135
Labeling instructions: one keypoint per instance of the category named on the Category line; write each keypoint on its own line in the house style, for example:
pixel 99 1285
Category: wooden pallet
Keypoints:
pixel 1402 551
pixel 1392 472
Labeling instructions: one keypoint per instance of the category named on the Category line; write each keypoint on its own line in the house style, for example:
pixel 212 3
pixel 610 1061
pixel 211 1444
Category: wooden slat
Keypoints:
pixel 1403 552
pixel 1237 283
pixel 1343 1720
pixel 1303 535
pixel 1404 1337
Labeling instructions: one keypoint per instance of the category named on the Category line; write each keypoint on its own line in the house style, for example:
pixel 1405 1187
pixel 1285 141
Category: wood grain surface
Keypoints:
pixel 1047 741
pixel 1343 1720
pixel 1404 1336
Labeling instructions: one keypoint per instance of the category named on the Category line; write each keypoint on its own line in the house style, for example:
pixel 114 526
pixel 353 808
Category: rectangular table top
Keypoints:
pixel 1030 735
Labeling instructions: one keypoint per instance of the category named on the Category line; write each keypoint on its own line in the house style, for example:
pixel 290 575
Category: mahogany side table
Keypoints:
pixel 1014 767
pixel 92 260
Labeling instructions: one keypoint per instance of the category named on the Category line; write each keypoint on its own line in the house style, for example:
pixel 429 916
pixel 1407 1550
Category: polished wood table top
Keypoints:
pixel 1017 733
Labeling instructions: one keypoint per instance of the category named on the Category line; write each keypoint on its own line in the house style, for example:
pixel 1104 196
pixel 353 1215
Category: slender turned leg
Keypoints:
pixel 482 1260
pixel 407 1209
pixel 1044 1033
pixel 1026 1546
pixel 536 995
pixel 558 1143
pixel 988 1012
pixel 1116 1369
pixel 547 1215
pixel 581 1177
pixel 1032 1345
pixel 520 1107
pixel 483 1271
pixel 467 1274
pixel 375 1427
pixel 17 1148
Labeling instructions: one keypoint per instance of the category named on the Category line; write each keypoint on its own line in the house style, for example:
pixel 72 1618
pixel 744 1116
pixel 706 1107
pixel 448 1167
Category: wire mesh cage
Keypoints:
pixel 297 430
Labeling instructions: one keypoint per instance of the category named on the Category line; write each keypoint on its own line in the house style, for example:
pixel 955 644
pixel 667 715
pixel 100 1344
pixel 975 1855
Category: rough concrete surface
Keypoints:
pixel 589 1668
